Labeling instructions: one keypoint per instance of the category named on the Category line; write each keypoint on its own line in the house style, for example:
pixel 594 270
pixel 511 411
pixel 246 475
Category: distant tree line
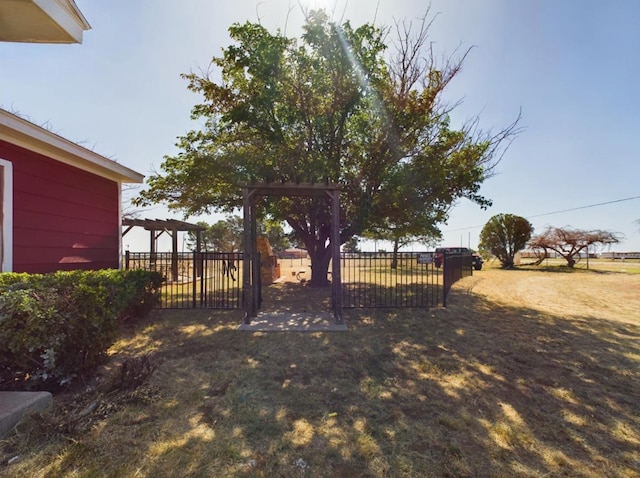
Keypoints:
pixel 227 235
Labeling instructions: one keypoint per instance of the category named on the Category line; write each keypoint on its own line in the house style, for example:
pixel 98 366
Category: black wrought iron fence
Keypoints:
pixel 369 279
pixel 194 280
pixel 385 279
pixel 455 268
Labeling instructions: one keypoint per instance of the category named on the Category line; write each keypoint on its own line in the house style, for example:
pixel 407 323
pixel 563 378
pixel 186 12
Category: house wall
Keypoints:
pixel 63 217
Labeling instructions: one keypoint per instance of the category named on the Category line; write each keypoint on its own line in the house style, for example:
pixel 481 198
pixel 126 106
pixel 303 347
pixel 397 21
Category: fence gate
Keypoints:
pixel 207 280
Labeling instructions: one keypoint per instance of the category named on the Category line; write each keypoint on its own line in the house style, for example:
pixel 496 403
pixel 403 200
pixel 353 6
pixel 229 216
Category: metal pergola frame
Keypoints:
pixel 251 193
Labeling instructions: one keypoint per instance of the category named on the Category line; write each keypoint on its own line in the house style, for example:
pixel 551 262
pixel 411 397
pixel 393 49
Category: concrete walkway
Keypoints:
pixel 14 405
pixel 290 321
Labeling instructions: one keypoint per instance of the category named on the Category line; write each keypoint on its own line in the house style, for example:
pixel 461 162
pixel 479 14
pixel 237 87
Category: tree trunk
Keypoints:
pixel 394 260
pixel 319 266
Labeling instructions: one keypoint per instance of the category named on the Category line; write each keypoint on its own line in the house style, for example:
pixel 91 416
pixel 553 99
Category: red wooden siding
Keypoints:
pixel 63 217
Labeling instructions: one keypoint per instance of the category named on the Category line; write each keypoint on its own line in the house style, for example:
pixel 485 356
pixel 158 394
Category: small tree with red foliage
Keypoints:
pixel 569 243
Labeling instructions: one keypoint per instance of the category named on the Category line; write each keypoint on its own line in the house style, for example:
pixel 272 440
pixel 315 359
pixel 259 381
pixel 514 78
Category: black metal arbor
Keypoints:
pixel 251 193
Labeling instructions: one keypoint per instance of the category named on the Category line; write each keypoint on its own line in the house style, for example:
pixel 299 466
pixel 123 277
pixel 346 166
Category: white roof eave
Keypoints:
pixel 18 131
pixel 41 21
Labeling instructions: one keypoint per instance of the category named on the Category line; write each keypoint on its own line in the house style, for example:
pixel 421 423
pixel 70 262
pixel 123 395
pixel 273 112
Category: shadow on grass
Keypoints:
pixel 296 297
pixel 472 390
pixel 300 297
pixel 563 269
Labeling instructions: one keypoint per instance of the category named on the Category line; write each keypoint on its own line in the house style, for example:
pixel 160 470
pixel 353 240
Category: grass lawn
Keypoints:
pixel 526 373
pixel 629 266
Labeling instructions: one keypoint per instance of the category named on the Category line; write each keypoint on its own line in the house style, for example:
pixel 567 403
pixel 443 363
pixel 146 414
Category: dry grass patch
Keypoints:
pixel 524 374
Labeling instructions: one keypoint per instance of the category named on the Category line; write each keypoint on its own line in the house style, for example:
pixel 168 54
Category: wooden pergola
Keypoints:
pixel 251 193
pixel 157 227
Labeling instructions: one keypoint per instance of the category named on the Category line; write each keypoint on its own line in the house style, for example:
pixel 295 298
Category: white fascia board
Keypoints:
pixel 7 217
pixel 120 226
pixel 25 134
pixel 67 15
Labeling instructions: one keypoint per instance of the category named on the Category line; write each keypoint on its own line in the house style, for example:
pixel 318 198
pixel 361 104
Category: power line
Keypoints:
pixel 557 212
pixel 585 207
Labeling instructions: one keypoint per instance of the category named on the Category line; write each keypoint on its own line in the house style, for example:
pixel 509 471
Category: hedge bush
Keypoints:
pixel 57 327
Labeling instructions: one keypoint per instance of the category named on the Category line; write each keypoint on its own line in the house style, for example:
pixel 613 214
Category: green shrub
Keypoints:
pixel 56 327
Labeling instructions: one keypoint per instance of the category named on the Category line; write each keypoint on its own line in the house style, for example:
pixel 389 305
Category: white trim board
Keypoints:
pixel 7 215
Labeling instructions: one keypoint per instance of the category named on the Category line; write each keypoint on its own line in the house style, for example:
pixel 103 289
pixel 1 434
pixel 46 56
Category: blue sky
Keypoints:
pixel 571 67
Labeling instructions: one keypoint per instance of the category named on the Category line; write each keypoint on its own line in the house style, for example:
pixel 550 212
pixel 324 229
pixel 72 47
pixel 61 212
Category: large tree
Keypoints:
pixel 570 243
pixel 333 106
pixel 504 235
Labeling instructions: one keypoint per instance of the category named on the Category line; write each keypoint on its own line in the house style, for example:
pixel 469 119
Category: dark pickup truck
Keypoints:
pixel 442 251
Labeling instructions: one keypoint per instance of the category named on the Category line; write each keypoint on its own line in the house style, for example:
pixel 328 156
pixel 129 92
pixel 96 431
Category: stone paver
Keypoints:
pixel 14 405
